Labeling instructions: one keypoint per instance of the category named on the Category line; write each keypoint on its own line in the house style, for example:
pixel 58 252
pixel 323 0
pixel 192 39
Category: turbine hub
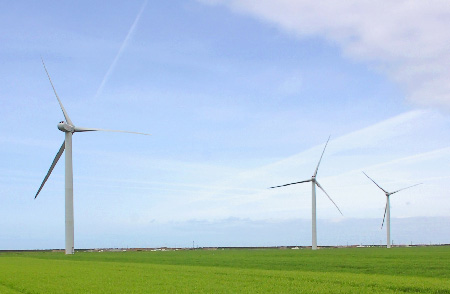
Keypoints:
pixel 65 127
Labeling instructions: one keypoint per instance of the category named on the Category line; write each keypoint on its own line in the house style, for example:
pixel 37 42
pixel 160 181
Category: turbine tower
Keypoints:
pixel 387 210
pixel 314 182
pixel 68 128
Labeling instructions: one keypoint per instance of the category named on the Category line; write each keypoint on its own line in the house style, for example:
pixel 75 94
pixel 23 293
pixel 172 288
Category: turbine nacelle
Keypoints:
pixel 65 127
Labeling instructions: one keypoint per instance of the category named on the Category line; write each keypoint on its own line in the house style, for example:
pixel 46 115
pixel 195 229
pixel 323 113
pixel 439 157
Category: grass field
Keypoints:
pixel 350 270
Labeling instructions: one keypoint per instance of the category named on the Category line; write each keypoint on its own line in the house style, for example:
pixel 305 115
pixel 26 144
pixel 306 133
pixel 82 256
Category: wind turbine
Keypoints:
pixel 68 128
pixel 314 182
pixel 387 210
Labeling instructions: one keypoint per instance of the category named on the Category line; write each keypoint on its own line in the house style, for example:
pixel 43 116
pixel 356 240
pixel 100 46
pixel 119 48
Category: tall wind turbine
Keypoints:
pixel 68 128
pixel 387 210
pixel 314 182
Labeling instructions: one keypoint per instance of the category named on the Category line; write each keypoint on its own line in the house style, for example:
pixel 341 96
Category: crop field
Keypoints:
pixel 347 270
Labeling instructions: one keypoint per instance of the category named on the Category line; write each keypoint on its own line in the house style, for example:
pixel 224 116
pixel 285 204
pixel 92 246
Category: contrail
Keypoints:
pixel 124 44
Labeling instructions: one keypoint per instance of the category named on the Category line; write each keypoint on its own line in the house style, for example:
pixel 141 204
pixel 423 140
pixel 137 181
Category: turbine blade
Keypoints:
pixel 58 155
pixel 317 168
pixel 318 185
pixel 406 188
pixel 290 184
pixel 384 217
pixel 81 129
pixel 375 183
pixel 66 116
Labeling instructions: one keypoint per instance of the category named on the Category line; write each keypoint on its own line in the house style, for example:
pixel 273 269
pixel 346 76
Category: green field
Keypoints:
pixel 350 270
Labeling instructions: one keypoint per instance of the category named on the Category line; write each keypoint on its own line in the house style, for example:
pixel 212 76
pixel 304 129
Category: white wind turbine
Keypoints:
pixel 68 128
pixel 314 183
pixel 387 210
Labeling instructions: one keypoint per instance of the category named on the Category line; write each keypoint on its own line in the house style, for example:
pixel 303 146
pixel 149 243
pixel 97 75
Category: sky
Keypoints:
pixel 238 96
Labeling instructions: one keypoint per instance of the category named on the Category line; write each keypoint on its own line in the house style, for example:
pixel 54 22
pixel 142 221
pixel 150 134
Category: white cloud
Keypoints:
pixel 407 40
pixel 383 150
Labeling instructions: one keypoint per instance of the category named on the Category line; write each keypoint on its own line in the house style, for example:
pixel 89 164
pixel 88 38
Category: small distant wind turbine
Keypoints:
pixel 387 210
pixel 314 183
pixel 68 128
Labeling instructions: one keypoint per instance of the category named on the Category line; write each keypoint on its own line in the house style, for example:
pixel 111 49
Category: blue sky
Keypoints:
pixel 238 96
